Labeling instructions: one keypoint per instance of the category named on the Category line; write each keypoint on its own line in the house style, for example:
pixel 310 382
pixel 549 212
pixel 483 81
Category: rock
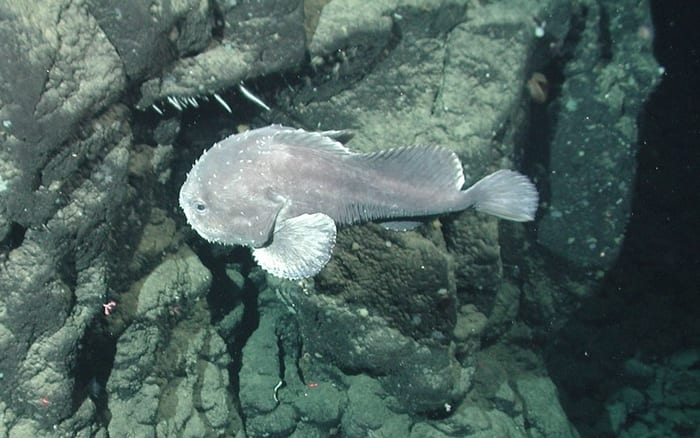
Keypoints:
pixel 470 421
pixel 368 413
pixel 260 370
pixel 543 413
pixel 257 39
pixel 170 370
pixel 162 292
pixel 592 161
pixel 165 31
pixel 423 377
pixel 323 404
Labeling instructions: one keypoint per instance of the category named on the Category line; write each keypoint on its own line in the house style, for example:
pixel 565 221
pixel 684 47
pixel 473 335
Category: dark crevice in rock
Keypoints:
pixel 320 79
pixel 280 361
pixel 605 41
pixel 224 297
pixel 534 154
pixel 94 362
pixel 217 31
pixel 235 344
pixel 13 239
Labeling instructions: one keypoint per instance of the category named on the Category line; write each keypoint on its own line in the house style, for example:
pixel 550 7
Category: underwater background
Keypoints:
pixel 117 319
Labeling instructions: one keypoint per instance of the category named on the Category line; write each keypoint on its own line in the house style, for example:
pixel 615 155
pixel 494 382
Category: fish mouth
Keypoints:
pixel 211 232
pixel 208 233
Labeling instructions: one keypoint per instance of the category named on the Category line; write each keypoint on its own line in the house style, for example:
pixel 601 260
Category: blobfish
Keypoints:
pixel 284 191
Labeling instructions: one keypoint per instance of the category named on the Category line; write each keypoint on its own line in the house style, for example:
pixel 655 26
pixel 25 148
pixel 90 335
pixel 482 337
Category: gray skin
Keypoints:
pixel 254 186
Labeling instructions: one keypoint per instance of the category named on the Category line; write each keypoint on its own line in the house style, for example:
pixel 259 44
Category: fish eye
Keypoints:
pixel 200 206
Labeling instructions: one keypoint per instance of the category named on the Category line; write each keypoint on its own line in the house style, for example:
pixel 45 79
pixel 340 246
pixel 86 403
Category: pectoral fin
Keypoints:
pixel 301 246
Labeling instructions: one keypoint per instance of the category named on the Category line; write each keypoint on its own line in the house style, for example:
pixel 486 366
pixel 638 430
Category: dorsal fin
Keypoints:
pixel 432 165
pixel 319 140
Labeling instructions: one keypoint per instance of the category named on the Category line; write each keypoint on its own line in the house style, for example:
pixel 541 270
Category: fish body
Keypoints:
pixel 281 191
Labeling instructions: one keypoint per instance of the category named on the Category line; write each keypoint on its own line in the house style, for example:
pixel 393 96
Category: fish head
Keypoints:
pixel 224 205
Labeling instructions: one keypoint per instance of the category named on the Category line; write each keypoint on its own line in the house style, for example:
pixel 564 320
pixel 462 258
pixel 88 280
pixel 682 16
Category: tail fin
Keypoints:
pixel 506 194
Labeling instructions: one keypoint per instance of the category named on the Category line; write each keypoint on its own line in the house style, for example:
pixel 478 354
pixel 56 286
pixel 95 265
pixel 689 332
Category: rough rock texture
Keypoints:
pixel 406 311
pixel 658 398
pixel 170 365
pixel 254 38
pixel 592 162
pixel 388 339
pixel 63 73
pixel 591 155
pixel 54 276
pixel 169 29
